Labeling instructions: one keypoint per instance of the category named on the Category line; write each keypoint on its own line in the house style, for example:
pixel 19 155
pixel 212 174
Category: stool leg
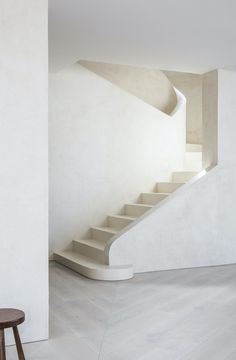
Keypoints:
pixel 18 343
pixel 2 345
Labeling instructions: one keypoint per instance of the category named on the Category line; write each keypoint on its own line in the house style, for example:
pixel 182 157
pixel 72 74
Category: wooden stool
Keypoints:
pixel 11 318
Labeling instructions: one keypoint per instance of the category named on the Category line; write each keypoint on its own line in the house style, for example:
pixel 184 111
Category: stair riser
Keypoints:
pixel 87 250
pixel 167 187
pixel 101 235
pixel 118 223
pixel 132 210
pixel 182 176
pixel 152 199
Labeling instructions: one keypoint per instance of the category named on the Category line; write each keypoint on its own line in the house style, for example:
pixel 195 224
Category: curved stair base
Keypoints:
pixel 91 268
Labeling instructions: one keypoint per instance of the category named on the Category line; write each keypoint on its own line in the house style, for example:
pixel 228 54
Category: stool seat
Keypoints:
pixel 11 317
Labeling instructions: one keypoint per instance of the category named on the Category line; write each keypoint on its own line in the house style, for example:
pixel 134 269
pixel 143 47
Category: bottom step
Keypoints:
pixel 91 268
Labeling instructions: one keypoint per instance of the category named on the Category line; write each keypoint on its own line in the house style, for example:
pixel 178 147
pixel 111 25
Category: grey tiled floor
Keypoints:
pixel 173 315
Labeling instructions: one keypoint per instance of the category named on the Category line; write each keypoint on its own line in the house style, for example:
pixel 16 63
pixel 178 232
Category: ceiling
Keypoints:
pixel 185 35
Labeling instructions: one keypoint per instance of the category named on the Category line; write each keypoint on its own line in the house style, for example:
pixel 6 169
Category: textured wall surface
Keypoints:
pixel 24 163
pixel 106 146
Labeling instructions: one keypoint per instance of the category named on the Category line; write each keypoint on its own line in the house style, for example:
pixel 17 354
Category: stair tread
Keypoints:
pixel 97 244
pixel 87 261
pixel 138 204
pixel 185 171
pixel 123 217
pixel 183 183
pixel 170 182
pixel 106 228
pixel 155 193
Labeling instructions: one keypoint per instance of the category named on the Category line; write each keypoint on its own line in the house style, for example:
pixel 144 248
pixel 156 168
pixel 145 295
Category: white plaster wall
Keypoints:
pixel 191 86
pixel 106 146
pixel 150 85
pixel 210 119
pixel 227 118
pixel 24 162
pixel 196 226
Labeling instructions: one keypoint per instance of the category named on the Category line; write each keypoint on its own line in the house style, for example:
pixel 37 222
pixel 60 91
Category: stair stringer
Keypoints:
pixel 181 232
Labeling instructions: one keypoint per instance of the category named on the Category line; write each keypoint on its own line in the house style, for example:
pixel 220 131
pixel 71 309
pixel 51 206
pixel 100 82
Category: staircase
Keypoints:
pixel 90 257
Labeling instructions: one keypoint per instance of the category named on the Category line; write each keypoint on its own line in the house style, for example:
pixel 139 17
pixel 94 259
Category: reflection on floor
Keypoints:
pixel 173 315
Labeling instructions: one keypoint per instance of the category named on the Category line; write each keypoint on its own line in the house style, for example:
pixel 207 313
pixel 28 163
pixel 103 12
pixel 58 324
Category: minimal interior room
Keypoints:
pixel 118 172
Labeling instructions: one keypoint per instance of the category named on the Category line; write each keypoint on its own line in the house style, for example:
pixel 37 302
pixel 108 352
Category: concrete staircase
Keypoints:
pixel 90 257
